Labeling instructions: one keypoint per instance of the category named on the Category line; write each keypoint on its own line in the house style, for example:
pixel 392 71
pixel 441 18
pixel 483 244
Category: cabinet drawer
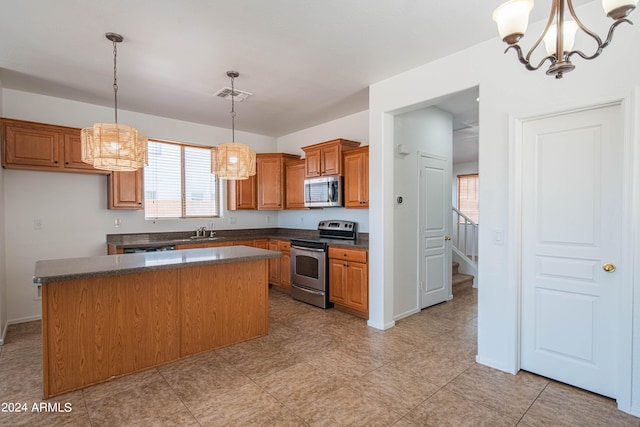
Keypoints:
pixel 348 254
pixel 284 246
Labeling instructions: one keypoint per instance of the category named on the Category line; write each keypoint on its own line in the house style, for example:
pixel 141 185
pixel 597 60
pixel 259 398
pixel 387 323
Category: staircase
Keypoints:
pixel 460 281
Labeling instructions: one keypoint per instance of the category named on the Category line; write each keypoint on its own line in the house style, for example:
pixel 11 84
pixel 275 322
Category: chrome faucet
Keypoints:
pixel 200 232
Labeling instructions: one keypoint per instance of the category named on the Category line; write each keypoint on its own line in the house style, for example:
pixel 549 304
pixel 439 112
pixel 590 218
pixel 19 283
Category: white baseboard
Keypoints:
pixel 382 327
pixel 4 333
pixel 495 365
pixel 24 319
pixel 406 314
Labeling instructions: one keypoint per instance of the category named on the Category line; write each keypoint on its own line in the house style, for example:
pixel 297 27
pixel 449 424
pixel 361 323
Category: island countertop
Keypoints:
pixel 59 270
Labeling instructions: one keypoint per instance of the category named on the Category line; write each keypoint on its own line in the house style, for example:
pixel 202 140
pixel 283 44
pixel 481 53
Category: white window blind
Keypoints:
pixel 468 196
pixel 178 182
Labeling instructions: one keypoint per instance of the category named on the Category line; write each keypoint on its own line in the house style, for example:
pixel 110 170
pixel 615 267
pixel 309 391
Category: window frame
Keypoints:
pixel 477 210
pixel 217 186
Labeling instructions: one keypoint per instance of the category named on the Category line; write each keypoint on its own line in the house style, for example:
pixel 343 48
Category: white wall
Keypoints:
pixel 427 130
pixel 354 127
pixel 3 269
pixel 507 90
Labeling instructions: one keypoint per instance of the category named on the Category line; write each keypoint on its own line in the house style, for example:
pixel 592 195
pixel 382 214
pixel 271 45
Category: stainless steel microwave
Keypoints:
pixel 323 192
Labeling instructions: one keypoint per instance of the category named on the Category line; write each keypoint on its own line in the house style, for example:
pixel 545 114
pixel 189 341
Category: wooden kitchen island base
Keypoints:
pixel 98 328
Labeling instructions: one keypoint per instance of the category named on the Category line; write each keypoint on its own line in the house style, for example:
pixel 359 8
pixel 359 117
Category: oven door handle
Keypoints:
pixel 307 249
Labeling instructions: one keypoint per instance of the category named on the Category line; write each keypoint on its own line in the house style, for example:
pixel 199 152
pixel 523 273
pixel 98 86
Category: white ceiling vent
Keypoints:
pixel 238 95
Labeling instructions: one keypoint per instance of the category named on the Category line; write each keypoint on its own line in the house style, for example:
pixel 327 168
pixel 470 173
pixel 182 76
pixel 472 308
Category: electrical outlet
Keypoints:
pixel 233 220
pixel 268 219
pixel 117 223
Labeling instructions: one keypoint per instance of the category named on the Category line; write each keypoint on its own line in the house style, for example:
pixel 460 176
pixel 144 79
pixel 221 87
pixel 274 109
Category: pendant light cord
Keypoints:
pixel 233 112
pixel 115 79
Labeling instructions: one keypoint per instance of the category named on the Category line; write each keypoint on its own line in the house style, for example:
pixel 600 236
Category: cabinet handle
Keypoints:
pixel 55 162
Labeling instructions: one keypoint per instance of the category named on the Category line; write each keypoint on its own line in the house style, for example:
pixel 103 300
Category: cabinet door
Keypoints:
pixel 331 160
pixel 73 153
pixel 356 179
pixel 285 271
pixel 31 146
pixel 126 190
pixel 313 163
pixel 274 264
pixel 357 293
pixel 242 194
pixel 337 276
pixel 270 184
pixel 294 176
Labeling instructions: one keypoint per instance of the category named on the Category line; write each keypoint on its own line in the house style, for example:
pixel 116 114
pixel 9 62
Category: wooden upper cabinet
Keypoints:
pixel 242 194
pixel 325 158
pixel 30 146
pixel 37 146
pixel 73 152
pixel 271 179
pixel 126 190
pixel 294 177
pixel 356 178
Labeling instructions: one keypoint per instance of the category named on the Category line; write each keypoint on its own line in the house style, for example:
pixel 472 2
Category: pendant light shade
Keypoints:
pixel 232 160
pixel 113 146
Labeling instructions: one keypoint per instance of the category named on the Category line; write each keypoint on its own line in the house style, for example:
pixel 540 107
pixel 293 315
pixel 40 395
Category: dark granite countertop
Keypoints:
pixel 146 240
pixel 113 265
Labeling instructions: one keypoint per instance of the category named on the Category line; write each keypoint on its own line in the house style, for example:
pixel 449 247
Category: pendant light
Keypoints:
pixel 231 160
pixel 114 146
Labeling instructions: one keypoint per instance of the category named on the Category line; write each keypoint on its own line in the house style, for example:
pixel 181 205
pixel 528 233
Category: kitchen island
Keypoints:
pixel 107 316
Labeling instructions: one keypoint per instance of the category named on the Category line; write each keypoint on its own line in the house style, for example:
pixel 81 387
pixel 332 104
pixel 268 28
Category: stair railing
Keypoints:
pixel 465 235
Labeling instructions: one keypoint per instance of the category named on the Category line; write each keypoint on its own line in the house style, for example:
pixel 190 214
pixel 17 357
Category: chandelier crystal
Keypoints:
pixel 559 34
pixel 113 146
pixel 232 160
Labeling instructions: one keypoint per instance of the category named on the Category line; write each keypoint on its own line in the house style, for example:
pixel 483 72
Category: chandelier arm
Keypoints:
pixel 552 14
pixel 601 44
pixel 526 61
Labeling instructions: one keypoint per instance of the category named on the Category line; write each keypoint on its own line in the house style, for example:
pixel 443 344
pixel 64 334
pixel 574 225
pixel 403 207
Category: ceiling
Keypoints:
pixel 305 61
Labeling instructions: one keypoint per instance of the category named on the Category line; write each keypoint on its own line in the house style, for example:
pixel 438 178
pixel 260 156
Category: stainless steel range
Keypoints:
pixel 309 262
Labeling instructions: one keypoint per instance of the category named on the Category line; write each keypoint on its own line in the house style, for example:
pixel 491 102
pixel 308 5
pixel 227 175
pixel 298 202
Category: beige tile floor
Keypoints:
pixel 315 367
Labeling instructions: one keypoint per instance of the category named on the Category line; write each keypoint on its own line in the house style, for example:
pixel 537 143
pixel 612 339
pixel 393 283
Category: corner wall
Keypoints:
pixel 427 130
pixel 354 127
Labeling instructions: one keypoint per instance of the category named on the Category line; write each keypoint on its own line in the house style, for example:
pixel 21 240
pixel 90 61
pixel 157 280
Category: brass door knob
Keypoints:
pixel 609 268
pixel 447 238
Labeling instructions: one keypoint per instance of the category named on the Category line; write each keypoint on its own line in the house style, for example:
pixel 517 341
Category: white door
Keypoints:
pixel 571 229
pixel 435 228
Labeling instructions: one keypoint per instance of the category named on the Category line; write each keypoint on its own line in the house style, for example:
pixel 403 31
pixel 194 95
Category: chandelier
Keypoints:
pixel 559 34
pixel 114 146
pixel 231 160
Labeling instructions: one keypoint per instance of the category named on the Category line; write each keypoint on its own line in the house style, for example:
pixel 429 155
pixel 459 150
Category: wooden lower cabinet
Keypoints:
pixel 279 268
pixel 98 328
pixel 349 281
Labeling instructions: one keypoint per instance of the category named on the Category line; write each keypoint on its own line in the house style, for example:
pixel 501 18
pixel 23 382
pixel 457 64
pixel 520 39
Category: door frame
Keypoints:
pixel 630 209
